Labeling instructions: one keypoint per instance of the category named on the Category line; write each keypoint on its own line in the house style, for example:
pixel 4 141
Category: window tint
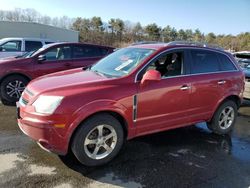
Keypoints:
pixel 12 46
pixel 204 61
pixel 226 63
pixel 88 51
pixel 59 53
pixel 32 45
pixel 170 64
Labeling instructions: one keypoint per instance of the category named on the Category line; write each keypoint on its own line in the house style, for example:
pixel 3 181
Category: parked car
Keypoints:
pixel 135 91
pixel 15 73
pixel 12 47
pixel 246 93
pixel 243 59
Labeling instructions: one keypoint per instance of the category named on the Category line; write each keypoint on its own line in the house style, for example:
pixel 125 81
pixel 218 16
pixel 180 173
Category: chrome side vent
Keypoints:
pixel 134 108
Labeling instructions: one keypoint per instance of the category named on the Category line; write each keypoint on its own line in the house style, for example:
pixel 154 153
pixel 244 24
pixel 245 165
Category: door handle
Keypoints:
pixel 221 82
pixel 185 87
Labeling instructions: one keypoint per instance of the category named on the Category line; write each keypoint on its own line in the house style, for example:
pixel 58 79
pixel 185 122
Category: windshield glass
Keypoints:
pixel 121 62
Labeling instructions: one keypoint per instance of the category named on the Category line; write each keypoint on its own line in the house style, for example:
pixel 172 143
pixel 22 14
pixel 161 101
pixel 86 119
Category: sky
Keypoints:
pixel 218 16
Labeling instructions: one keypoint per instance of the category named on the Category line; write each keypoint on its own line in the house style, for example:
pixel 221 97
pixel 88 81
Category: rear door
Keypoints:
pixel 85 55
pixel 164 104
pixel 58 58
pixel 208 81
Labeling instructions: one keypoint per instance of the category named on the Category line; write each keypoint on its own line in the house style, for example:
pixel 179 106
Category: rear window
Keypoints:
pixel 32 45
pixel 226 63
pixel 204 61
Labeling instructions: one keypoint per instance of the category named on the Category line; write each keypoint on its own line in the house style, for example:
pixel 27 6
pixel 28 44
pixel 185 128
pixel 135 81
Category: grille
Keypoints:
pixel 29 92
pixel 24 101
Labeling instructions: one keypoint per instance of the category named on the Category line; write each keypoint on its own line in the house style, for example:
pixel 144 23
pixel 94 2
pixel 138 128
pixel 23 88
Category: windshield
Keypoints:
pixel 121 62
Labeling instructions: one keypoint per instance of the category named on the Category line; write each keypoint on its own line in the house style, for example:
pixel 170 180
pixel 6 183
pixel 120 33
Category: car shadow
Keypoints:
pixel 163 159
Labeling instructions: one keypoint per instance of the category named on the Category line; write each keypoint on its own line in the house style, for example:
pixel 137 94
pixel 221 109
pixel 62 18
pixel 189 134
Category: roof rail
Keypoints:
pixel 146 42
pixel 193 43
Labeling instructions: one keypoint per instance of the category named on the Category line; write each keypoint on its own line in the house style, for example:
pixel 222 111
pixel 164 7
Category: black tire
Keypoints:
pixel 87 127
pixel 7 98
pixel 214 124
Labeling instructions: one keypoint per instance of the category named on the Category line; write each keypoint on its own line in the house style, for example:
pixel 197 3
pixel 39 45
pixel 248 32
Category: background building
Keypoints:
pixel 36 30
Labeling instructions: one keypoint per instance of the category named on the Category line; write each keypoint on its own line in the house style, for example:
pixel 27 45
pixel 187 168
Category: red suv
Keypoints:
pixel 15 73
pixel 135 91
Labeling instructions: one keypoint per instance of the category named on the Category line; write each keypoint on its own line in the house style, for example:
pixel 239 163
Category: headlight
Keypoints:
pixel 47 104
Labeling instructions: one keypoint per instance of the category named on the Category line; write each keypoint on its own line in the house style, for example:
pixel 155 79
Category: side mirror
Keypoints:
pixel 151 75
pixel 1 48
pixel 41 58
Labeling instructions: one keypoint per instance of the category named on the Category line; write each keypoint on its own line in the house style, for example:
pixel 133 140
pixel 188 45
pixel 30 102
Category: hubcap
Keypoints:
pixel 15 88
pixel 100 142
pixel 226 117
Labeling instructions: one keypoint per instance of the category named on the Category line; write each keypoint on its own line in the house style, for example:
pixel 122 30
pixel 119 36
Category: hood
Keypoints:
pixel 64 80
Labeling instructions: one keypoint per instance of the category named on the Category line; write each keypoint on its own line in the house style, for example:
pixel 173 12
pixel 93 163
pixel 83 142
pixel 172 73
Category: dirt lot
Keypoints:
pixel 188 157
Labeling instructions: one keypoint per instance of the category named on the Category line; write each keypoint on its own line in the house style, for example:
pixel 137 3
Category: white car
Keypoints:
pixel 12 47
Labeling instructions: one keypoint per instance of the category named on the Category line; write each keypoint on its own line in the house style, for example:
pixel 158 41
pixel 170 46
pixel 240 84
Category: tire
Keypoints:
pixel 221 124
pixel 11 89
pixel 88 142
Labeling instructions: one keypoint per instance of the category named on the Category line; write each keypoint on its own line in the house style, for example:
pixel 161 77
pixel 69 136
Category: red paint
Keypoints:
pixel 31 68
pixel 161 104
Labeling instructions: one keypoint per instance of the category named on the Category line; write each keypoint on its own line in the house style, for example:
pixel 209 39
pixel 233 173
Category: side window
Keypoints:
pixel 59 53
pixel 87 51
pixel 103 51
pixel 32 45
pixel 170 64
pixel 204 61
pixel 226 63
pixel 12 46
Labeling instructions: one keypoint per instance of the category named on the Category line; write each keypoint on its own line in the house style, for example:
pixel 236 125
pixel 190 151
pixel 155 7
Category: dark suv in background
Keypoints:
pixel 15 73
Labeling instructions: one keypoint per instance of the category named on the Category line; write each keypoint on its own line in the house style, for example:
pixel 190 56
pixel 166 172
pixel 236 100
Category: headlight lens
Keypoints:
pixel 47 104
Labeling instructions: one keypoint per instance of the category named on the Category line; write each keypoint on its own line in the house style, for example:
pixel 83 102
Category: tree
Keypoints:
pixel 182 35
pixel 210 38
pixel 96 24
pixel 166 33
pixel 153 31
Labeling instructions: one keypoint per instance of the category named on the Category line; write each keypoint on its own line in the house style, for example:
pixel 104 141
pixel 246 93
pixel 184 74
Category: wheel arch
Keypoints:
pixel 232 97
pixel 115 114
pixel 14 74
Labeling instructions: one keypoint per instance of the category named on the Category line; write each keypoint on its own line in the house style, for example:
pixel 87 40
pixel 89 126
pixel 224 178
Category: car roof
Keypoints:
pixel 75 43
pixel 159 46
pixel 24 38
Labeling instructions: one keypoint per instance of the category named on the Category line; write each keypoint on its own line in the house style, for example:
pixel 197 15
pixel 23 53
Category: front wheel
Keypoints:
pixel 12 88
pixel 98 140
pixel 224 118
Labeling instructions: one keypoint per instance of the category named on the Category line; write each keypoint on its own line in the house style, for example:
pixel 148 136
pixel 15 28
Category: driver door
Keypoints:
pixel 57 59
pixel 164 104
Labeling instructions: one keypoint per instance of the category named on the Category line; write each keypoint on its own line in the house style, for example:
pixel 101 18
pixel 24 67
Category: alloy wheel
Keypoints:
pixel 100 142
pixel 15 88
pixel 226 117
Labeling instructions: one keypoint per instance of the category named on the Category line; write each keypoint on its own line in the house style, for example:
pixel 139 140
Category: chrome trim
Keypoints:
pixel 134 108
pixel 183 48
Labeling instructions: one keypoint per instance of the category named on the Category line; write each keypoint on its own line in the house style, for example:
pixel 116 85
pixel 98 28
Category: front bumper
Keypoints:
pixel 44 132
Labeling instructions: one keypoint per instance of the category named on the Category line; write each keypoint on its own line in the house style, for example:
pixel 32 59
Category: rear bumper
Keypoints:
pixel 45 135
